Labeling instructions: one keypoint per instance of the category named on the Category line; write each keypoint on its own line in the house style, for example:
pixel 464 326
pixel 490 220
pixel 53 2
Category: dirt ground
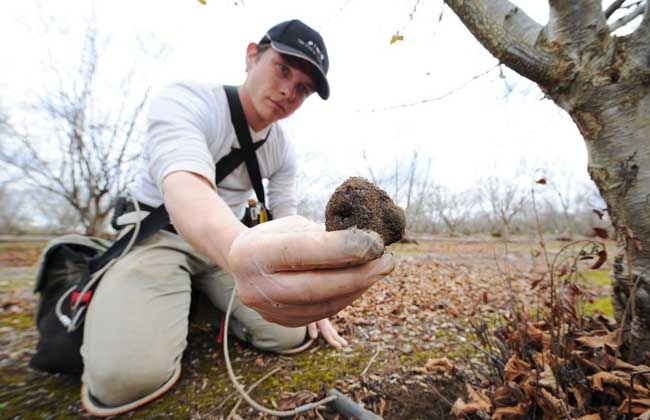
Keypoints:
pixel 411 337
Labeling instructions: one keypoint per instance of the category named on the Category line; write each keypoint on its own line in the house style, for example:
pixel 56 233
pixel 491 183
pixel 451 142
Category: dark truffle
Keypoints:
pixel 358 202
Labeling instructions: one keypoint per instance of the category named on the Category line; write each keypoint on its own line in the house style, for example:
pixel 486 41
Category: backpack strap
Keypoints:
pixel 245 142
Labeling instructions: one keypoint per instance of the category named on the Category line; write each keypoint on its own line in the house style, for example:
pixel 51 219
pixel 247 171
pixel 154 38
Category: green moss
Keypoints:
pixel 19 320
pixel 38 396
pixel 601 305
pixel 420 357
pixel 596 277
pixel 405 249
pixel 17 277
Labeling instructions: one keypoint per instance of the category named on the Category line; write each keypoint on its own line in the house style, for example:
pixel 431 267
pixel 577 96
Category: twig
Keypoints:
pixel 444 399
pixel 319 415
pixel 225 400
pixel 233 412
pixel 451 92
pixel 488 354
pixel 627 18
pixel 613 7
pixel 372 359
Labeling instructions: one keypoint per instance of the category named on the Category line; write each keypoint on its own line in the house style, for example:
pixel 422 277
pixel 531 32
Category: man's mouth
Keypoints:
pixel 277 105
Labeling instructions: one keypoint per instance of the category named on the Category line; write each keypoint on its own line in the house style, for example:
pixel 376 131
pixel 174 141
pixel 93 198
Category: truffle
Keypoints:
pixel 360 203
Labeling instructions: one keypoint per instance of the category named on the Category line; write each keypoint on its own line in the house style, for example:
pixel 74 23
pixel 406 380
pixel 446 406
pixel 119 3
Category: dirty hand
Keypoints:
pixel 292 272
pixel 325 327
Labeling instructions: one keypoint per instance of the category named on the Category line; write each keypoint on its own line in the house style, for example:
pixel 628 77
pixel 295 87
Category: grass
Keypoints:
pixel 597 277
pixel 19 320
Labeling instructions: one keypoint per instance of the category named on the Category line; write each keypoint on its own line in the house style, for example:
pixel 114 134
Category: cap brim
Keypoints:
pixel 322 86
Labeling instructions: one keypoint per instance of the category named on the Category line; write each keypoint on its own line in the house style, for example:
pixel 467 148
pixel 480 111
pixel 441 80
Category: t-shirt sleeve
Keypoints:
pixel 178 125
pixel 282 198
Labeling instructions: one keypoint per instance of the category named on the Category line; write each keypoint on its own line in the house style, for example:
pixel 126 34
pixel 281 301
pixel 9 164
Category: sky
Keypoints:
pixel 482 129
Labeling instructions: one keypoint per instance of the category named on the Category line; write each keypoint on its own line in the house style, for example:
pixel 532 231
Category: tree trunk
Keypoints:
pixel 612 111
pixel 603 82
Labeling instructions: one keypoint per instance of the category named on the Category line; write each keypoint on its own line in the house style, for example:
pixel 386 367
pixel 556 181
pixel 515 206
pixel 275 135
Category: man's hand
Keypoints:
pixel 328 331
pixel 292 272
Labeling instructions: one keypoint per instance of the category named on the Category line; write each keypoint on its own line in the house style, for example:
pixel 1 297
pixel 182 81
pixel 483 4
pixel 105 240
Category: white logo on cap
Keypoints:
pixel 314 48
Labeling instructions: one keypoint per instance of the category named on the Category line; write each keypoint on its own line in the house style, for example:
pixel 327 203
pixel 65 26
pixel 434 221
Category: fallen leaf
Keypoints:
pixel 602 257
pixel 441 364
pixel 610 340
pixel 601 233
pixel 511 413
pixel 259 361
pixel 395 38
pixel 516 368
pixel 590 417
pixel 639 406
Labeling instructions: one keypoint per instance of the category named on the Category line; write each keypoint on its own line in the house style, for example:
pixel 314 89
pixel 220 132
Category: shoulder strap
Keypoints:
pixel 228 163
pixel 243 134
pixel 159 218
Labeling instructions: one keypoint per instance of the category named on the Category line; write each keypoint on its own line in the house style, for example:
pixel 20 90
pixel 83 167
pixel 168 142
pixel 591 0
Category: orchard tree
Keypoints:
pixel 603 82
pixel 77 148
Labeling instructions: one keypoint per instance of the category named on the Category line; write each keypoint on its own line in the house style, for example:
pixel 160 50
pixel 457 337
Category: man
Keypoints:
pixel 288 273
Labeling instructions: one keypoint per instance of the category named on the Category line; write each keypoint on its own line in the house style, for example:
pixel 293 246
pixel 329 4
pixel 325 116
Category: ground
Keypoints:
pixel 401 334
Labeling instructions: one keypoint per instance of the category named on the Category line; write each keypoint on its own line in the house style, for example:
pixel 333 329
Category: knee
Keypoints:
pixel 273 337
pixel 124 381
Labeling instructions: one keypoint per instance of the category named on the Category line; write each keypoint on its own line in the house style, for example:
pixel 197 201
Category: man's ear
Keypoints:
pixel 251 53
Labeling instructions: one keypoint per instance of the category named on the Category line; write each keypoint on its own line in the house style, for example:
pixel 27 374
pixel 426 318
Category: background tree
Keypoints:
pixel 453 208
pixel 603 82
pixel 504 199
pixel 80 151
pixel 407 181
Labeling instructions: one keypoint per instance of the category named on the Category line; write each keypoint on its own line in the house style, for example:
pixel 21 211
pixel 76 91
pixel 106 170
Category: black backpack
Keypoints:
pixel 71 270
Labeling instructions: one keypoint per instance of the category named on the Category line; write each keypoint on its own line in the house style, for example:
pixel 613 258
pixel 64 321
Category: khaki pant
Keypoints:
pixel 136 328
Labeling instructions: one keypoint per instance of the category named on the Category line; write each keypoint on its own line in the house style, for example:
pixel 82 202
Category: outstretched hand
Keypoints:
pixel 293 272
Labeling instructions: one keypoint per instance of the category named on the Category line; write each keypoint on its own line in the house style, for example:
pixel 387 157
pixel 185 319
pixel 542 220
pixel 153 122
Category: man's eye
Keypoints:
pixel 303 89
pixel 284 69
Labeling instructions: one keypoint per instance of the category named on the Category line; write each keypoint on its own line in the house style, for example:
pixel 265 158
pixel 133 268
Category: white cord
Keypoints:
pixel 73 324
pixel 296 411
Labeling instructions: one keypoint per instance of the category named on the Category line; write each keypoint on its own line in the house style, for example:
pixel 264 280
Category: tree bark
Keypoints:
pixel 603 82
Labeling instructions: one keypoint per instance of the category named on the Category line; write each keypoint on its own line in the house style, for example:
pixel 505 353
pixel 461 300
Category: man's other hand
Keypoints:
pixel 329 333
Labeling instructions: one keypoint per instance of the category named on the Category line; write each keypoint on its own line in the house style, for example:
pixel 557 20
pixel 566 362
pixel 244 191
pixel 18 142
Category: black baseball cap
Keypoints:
pixel 299 40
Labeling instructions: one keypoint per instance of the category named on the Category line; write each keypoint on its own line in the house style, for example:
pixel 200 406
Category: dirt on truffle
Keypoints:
pixel 358 202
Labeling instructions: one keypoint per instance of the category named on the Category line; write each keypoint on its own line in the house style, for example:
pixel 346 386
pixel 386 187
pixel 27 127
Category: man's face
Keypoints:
pixel 274 87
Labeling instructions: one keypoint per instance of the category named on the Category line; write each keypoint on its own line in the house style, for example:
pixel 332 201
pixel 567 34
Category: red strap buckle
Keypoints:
pixel 85 299
pixel 222 321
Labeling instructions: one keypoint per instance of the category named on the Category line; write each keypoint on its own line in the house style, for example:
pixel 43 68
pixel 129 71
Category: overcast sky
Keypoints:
pixel 485 128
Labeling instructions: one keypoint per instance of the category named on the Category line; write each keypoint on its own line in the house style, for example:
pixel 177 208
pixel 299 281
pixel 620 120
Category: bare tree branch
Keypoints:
pixel 613 7
pixel 509 34
pixel 577 25
pixel 437 98
pixel 619 23
pixel 639 38
pixel 86 149
pixel 372 174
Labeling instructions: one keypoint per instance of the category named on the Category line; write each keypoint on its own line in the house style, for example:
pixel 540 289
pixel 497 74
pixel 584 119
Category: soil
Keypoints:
pixel 421 312
pixel 360 203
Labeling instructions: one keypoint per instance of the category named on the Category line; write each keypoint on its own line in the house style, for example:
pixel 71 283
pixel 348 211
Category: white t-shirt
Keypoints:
pixel 189 129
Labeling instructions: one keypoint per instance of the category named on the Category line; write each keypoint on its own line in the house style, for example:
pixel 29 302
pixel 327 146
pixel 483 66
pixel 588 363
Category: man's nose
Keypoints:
pixel 287 90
